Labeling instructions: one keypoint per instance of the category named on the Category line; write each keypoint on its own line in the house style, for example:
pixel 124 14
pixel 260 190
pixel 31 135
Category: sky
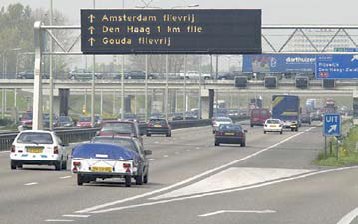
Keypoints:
pixel 273 11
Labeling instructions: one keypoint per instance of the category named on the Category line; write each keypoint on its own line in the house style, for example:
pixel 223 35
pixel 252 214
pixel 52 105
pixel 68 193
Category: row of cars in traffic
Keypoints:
pixel 117 151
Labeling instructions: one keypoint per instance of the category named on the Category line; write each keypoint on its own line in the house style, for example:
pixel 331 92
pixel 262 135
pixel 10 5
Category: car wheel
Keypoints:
pixel 13 165
pixel 296 129
pixel 217 144
pixel 264 132
pixel 280 132
pixel 148 135
pixel 251 125
pixel 19 165
pixel 128 181
pixel 80 179
pixel 169 134
pixel 145 178
pixel 292 129
pixel 64 165
pixel 139 179
pixel 58 165
pixel 243 144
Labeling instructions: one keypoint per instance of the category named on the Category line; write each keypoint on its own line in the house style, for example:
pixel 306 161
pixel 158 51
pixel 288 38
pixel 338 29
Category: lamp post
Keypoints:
pixel 93 82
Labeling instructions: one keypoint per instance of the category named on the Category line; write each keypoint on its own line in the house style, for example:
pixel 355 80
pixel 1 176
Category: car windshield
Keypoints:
pixel 158 121
pixel 85 119
pixel 35 137
pixel 124 142
pixel 273 121
pixel 125 128
pixel 65 119
pixel 27 116
pixel 224 119
pixel 230 127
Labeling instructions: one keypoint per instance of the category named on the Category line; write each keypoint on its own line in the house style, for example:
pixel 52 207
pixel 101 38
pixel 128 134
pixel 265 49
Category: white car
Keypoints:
pixel 38 148
pixel 273 125
pixel 220 120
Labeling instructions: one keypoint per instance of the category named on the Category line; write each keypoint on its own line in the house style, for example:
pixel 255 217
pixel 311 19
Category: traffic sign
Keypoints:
pixel 337 66
pixel 171 31
pixel 332 124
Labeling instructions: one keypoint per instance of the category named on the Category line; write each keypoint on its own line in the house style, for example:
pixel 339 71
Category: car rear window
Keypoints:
pixel 230 127
pixel 264 112
pixel 273 122
pixel 120 128
pixel 126 143
pixel 36 138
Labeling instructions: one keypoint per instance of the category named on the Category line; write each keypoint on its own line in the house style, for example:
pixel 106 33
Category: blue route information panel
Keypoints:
pixel 332 124
pixel 337 66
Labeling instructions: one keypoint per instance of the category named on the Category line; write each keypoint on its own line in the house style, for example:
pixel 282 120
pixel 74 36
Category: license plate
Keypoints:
pixel 34 150
pixel 157 126
pixel 101 169
pixel 272 126
pixel 230 134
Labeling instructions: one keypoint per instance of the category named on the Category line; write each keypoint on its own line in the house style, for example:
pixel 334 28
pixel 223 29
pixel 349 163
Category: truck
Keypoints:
pixel 287 109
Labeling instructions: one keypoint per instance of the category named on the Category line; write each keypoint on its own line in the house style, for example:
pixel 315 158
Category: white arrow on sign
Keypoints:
pixel 91 17
pixel 91 29
pixel 92 40
pixel 332 128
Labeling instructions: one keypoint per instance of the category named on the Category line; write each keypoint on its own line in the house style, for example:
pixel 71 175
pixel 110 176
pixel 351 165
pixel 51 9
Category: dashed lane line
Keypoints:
pixel 237 211
pixel 76 216
pixel 165 156
pixel 30 184
pixel 59 220
pixel 65 177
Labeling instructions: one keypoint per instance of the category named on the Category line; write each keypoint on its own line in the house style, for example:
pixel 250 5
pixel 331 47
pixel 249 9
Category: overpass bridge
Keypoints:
pixel 342 87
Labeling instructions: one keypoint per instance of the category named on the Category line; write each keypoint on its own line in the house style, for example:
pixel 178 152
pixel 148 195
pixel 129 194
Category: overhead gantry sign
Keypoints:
pixel 227 31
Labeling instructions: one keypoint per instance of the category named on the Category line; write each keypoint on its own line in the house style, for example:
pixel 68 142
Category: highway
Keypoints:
pixel 271 180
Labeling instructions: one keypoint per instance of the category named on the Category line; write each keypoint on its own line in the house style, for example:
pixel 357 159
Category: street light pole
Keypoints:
pixel 146 89
pixel 166 86
pixel 184 94
pixel 93 82
pixel 51 70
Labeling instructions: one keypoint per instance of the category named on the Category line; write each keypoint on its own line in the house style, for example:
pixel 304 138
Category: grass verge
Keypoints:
pixel 347 150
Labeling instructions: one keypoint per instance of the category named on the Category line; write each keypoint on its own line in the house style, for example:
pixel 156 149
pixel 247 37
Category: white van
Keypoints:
pixel 38 148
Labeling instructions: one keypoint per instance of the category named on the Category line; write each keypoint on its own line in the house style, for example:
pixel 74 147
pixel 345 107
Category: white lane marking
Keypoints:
pixel 4 152
pixel 188 150
pixel 30 184
pixel 192 128
pixel 151 159
pixel 221 192
pixel 76 216
pixel 165 156
pixel 349 217
pixel 65 177
pixel 156 142
pixel 188 180
pixel 177 153
pixel 59 220
pixel 237 211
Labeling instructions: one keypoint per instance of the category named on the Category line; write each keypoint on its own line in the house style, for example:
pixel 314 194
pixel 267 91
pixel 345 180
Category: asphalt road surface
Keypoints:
pixel 271 180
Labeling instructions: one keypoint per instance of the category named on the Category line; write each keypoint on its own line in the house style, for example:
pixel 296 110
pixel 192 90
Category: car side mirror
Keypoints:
pixel 147 152
pixel 245 131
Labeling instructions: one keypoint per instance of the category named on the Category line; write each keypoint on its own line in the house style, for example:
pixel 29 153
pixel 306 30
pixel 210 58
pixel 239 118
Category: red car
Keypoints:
pixel 259 116
pixel 84 122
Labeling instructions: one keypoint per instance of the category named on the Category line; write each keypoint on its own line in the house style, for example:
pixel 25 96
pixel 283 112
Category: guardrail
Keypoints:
pixel 84 134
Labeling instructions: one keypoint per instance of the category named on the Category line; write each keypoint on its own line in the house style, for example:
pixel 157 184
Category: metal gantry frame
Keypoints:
pixel 271 46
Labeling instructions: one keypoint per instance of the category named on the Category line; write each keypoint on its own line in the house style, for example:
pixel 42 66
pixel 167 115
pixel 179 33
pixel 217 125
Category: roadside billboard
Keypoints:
pixel 279 63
